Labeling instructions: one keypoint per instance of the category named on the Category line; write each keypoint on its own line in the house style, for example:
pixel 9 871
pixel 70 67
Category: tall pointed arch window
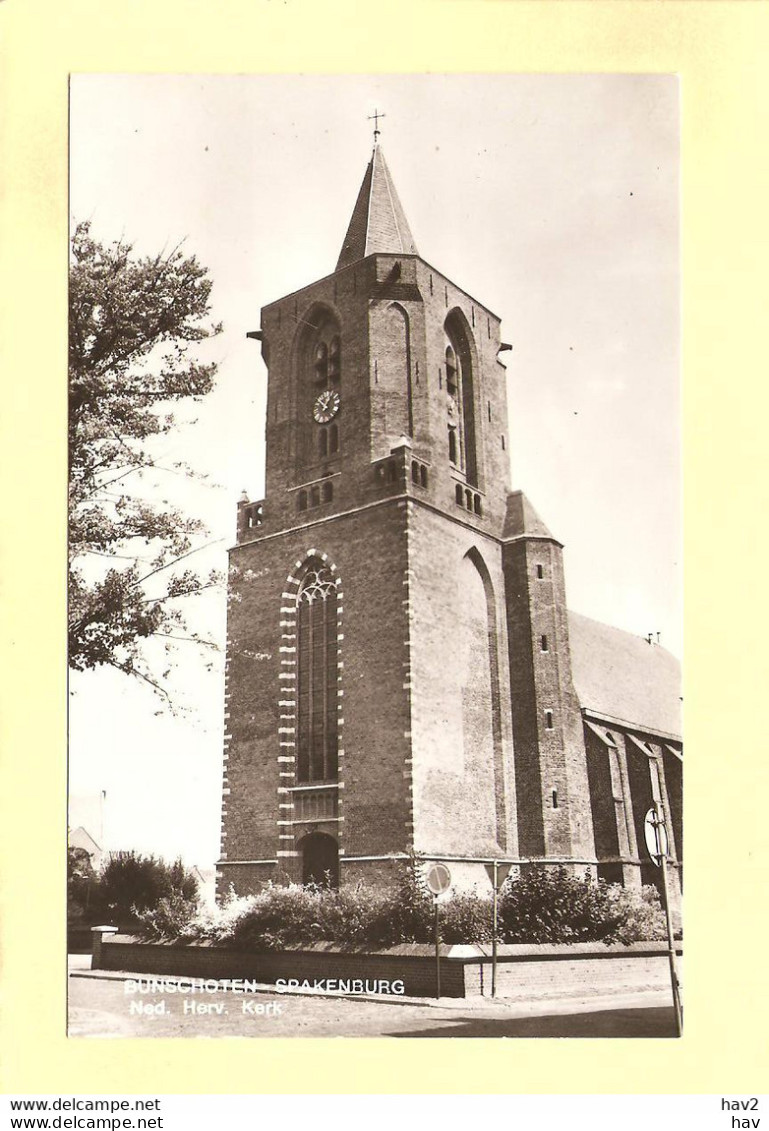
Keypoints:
pixel 317 657
pixel 325 373
pixel 460 396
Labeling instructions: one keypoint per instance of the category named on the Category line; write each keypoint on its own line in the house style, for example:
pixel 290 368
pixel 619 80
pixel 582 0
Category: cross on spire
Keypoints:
pixel 375 119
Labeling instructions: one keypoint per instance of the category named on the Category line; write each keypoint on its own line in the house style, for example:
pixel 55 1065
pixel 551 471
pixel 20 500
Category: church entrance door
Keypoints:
pixel 320 860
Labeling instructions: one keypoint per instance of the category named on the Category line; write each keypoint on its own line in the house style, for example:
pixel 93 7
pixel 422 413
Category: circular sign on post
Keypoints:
pixel 438 879
pixel 655 835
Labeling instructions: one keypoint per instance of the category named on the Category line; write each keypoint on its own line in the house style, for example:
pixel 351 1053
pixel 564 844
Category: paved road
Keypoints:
pixel 102 1008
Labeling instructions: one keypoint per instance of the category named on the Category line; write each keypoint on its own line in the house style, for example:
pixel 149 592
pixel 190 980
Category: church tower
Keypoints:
pixel 385 589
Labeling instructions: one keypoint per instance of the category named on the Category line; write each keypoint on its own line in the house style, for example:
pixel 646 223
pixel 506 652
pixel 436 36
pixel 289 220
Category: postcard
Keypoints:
pixel 374 558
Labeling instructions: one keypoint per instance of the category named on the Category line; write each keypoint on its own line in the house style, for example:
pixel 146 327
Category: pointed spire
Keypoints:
pixel 378 221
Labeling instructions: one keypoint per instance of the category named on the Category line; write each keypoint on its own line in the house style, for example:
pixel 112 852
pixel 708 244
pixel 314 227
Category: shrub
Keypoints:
pixel 407 913
pixel 169 920
pixel 640 909
pixel 552 906
pixel 352 917
pixel 131 884
pixel 279 917
pixel 355 916
pixel 216 924
pixel 466 918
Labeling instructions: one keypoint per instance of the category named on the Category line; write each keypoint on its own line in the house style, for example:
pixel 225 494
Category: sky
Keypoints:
pixel 552 199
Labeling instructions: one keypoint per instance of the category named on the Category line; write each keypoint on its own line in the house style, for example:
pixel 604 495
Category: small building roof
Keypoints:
pixel 522 520
pixel 622 677
pixel 81 838
pixel 378 222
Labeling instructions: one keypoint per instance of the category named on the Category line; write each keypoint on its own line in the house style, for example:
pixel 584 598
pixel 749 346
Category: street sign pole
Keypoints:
pixel 671 941
pixel 495 898
pixel 657 845
pixel 438 882
pixel 437 952
pixel 497 873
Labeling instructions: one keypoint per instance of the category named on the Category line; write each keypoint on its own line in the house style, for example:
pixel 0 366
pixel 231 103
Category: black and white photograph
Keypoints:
pixel 375 631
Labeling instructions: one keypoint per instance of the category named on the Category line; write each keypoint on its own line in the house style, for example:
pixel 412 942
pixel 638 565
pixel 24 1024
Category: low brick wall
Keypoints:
pixel 553 971
pixel 523 972
pixel 412 965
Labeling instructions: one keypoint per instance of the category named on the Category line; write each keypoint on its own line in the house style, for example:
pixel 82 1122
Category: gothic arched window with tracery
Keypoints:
pixel 317 675
pixel 460 397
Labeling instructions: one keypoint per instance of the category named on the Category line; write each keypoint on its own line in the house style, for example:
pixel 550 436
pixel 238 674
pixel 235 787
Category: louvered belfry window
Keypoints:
pixel 317 648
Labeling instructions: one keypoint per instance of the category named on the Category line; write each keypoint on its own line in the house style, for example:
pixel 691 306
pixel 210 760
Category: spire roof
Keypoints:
pixel 522 520
pixel 378 222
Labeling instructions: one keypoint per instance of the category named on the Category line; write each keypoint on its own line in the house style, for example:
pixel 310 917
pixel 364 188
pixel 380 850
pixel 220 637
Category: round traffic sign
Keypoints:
pixel 438 879
pixel 655 835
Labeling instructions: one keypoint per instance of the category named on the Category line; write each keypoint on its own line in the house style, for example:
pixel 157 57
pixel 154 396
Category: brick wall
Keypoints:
pixel 461 732
pixel 583 972
pixel 524 972
pixel 417 971
pixel 368 553
pixel 551 773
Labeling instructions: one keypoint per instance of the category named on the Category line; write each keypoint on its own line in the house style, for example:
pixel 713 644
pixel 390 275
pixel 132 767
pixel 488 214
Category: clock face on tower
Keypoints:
pixel 326 406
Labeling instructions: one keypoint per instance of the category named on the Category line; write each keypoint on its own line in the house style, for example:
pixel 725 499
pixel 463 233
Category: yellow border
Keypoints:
pixel 719 49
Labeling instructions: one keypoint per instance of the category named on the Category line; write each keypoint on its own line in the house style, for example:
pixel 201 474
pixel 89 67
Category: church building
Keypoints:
pixel 403 675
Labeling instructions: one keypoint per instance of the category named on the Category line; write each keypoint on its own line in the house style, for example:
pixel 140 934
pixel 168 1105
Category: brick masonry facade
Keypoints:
pixel 459 731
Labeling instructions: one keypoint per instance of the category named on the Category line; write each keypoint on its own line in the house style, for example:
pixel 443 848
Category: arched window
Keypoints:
pixel 318 374
pixel 460 396
pixel 317 650
pixel 320 860
pixel 327 374
pixel 321 362
pixel 334 358
pixel 451 371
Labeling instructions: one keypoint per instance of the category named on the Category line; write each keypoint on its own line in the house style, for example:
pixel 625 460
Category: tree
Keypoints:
pixel 131 884
pixel 81 882
pixel 134 323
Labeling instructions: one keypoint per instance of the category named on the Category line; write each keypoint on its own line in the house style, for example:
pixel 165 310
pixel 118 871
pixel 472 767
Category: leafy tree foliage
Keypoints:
pixel 131 884
pixel 81 882
pixel 134 326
